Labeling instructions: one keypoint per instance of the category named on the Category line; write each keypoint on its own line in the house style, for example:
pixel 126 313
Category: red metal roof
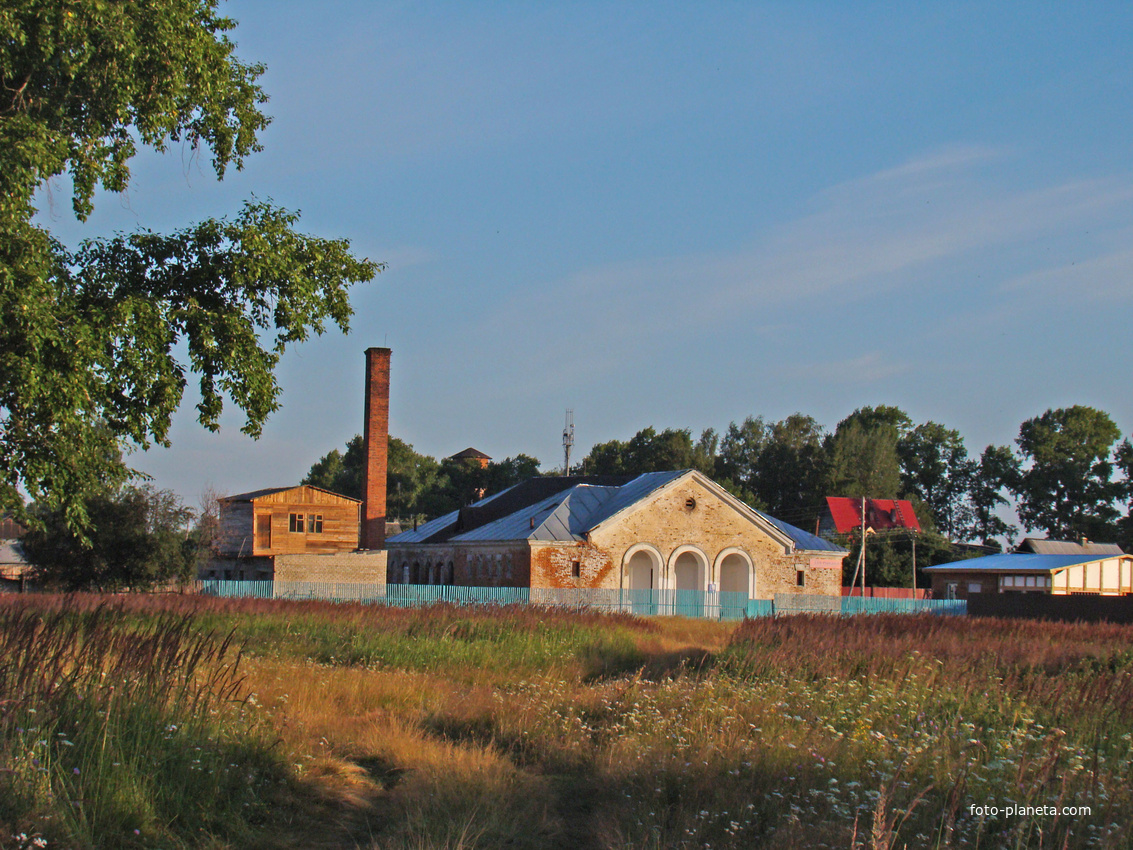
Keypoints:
pixel 880 514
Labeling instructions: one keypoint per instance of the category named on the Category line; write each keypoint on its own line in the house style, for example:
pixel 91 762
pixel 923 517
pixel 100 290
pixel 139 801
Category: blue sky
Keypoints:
pixel 679 215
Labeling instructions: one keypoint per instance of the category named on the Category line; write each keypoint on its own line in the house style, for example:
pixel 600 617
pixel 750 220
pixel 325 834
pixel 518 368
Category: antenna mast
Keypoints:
pixel 568 441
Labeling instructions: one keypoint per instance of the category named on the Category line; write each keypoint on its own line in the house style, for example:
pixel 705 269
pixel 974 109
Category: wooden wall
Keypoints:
pixel 239 522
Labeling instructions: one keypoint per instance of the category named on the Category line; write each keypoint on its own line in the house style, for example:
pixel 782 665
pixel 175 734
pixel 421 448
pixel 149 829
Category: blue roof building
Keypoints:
pixel 661 530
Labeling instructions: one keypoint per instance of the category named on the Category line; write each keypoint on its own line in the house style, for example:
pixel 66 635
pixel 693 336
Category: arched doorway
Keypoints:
pixel 689 570
pixel 735 573
pixel 642 576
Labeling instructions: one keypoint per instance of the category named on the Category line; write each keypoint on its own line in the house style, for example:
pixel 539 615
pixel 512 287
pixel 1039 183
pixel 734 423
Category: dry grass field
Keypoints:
pixel 192 722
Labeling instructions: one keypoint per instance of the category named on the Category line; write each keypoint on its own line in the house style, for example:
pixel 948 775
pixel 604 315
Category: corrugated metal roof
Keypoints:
pixel 562 517
pixel 1041 546
pixel 634 491
pixel 426 530
pixel 879 513
pixel 566 516
pixel 1014 561
pixel 803 539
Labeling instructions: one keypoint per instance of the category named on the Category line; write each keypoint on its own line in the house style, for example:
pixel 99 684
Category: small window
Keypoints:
pixel 296 523
pixel 690 503
pixel 975 587
pixel 800 578
pixel 576 569
pixel 314 523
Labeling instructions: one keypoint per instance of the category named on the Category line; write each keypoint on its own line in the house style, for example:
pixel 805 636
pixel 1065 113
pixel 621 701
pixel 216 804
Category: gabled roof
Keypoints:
pixel 567 509
pixel 1018 562
pixel 880 514
pixel 271 491
pixel 1040 546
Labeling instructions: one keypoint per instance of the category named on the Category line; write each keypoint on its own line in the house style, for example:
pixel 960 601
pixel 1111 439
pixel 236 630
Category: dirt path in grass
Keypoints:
pixel 374 770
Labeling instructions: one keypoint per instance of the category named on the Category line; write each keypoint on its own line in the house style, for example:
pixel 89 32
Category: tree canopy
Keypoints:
pixel 138 537
pixel 89 335
pixel 1067 487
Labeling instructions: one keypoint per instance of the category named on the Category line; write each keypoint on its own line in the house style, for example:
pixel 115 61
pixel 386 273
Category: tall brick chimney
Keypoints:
pixel 376 438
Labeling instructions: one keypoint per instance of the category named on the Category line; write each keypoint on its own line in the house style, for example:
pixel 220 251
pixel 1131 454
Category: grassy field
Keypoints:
pixel 183 722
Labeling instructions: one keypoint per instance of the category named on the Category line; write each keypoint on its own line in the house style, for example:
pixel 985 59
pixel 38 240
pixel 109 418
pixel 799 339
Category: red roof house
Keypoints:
pixel 844 514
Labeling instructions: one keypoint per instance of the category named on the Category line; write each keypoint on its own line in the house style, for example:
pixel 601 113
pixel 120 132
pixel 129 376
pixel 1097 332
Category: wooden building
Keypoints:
pixel 256 527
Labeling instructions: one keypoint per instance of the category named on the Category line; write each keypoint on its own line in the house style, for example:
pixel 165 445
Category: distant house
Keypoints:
pixel 13 566
pixel 662 530
pixel 845 514
pixel 474 455
pixel 1105 573
pixel 263 530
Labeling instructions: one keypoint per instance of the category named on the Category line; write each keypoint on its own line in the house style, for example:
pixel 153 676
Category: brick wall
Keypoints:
pixel 345 567
pixel 690 514
pixel 376 436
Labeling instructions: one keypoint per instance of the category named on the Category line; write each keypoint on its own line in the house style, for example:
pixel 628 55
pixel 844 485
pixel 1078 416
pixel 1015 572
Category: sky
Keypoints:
pixel 677 215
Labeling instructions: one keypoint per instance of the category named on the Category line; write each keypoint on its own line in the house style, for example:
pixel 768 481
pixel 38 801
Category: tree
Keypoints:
pixel 89 336
pixel 409 475
pixel 997 471
pixel 790 470
pixel 138 537
pixel 935 467
pixel 1124 458
pixel 650 451
pixel 862 453
pixel 1065 487
pixel 737 460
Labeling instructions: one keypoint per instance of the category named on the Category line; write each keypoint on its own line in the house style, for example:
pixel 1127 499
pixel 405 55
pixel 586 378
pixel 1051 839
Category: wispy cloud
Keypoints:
pixel 870 368
pixel 905 229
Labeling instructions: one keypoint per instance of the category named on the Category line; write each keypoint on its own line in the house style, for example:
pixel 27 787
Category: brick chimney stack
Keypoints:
pixel 376 439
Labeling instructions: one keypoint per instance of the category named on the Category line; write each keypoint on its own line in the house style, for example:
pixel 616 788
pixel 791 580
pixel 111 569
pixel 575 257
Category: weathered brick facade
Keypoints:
pixel 689 535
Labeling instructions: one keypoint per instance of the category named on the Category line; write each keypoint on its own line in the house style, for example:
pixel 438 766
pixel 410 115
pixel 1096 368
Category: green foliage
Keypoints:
pixel 138 537
pixel 935 467
pixel 417 486
pixel 89 336
pixel 997 471
pixel 650 451
pixel 862 454
pixel 889 557
pixel 1066 487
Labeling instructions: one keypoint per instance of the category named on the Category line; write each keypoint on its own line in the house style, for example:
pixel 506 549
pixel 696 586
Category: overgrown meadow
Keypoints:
pixel 179 721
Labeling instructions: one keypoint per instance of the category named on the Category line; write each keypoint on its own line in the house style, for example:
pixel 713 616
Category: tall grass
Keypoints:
pixel 116 731
pixel 453 727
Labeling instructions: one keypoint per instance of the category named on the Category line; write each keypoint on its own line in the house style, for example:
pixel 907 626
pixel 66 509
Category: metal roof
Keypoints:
pixel 568 515
pixel 1041 546
pixel 426 530
pixel 879 513
pixel 11 552
pixel 803 539
pixel 1015 561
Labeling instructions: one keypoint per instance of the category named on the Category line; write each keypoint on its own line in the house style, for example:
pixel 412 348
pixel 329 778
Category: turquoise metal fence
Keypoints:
pixel 680 603
pixel 717 605
pixel 846 606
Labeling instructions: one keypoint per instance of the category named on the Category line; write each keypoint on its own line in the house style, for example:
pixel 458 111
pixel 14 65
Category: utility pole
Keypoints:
pixel 568 441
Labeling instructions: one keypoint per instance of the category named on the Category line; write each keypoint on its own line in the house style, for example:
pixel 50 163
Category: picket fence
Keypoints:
pixel 718 605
